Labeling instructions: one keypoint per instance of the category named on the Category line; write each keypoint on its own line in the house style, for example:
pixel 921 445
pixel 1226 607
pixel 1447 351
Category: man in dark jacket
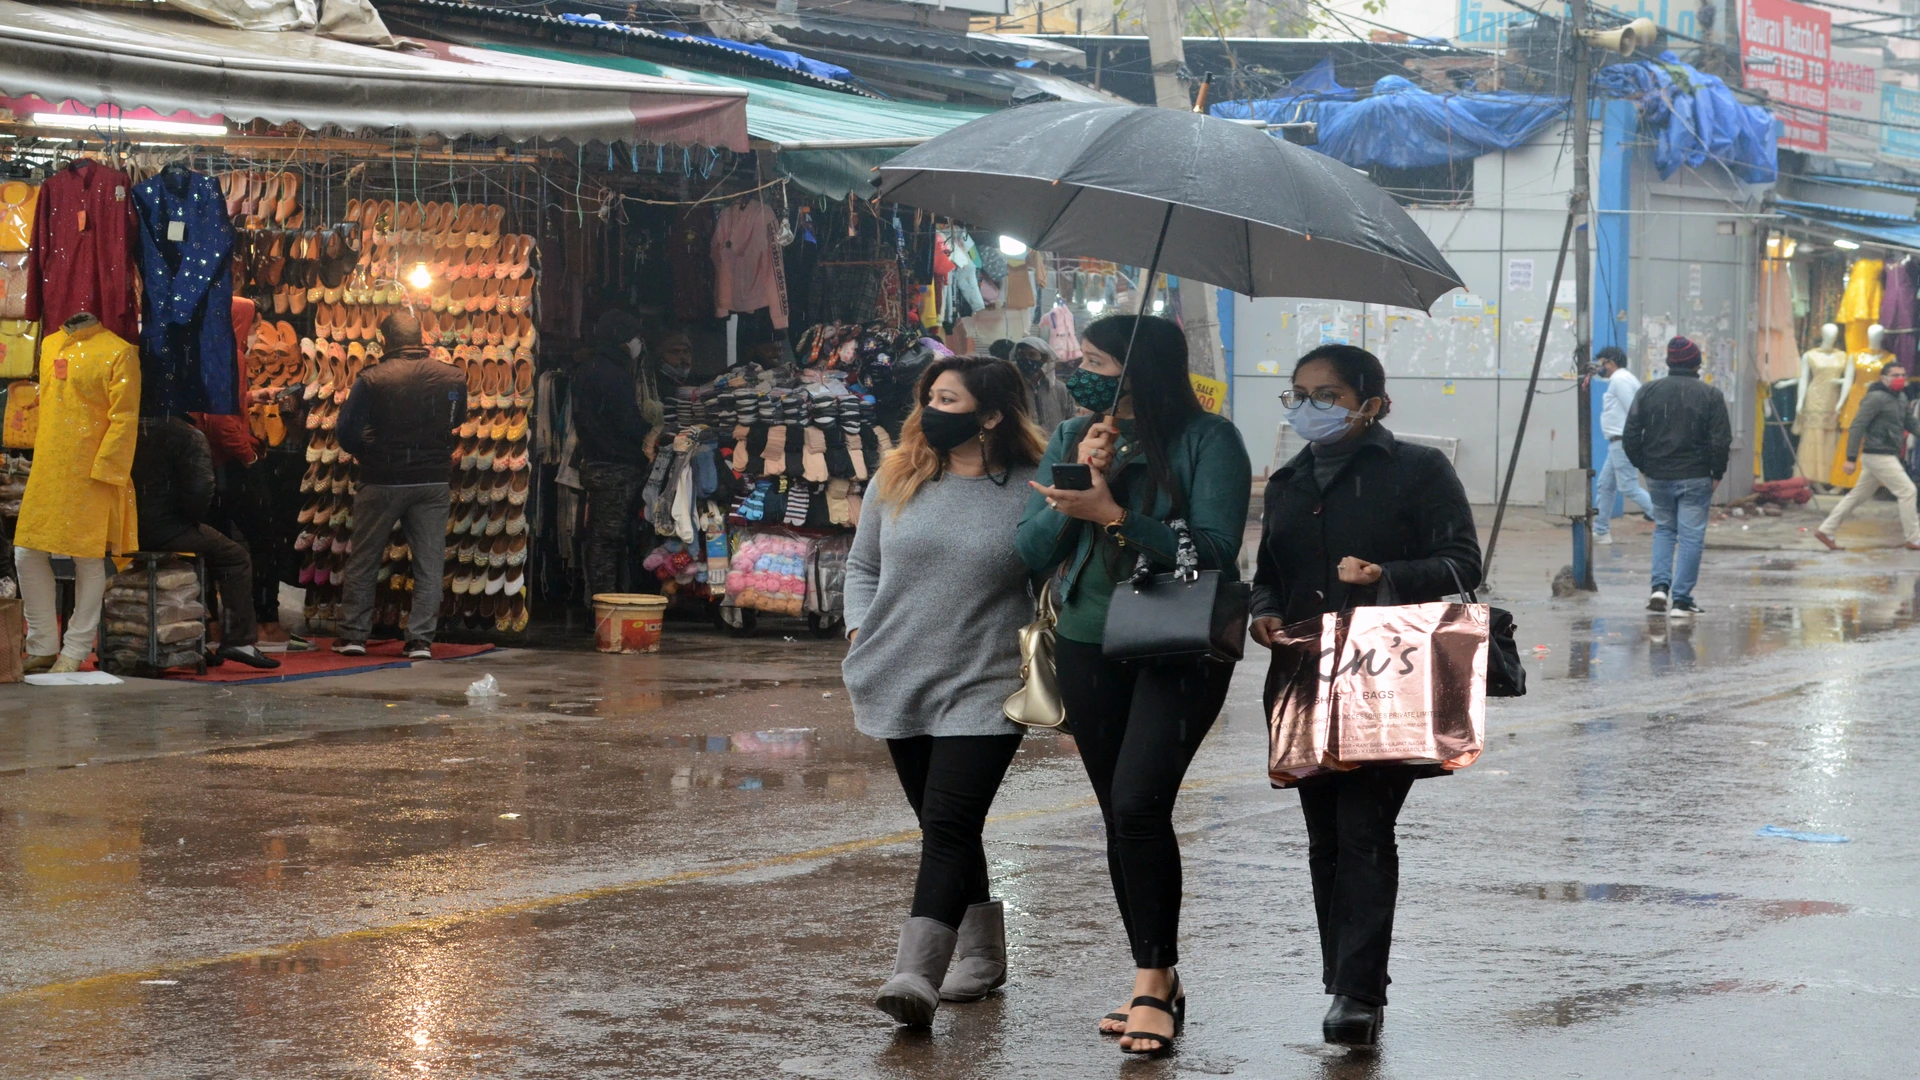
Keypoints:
pixel 1873 450
pixel 1679 436
pixel 173 487
pixel 399 421
pixel 613 434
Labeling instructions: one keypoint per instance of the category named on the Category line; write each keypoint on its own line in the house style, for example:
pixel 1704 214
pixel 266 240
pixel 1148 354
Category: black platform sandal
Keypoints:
pixel 1176 1009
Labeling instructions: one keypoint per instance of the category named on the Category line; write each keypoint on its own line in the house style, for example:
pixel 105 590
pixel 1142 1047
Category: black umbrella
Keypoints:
pixel 1185 193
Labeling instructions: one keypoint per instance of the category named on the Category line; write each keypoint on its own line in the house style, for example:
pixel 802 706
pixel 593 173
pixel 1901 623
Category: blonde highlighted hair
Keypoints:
pixel 997 387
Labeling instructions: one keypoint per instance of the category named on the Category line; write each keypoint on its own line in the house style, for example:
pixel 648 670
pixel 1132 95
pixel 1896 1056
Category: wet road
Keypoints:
pixel 691 865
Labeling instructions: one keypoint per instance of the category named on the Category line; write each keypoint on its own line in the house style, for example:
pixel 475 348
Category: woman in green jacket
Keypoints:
pixel 1156 458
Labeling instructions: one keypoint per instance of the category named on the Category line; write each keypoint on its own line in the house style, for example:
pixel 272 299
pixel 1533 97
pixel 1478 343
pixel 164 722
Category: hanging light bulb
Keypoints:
pixel 420 277
pixel 1095 307
pixel 1792 245
pixel 1159 306
pixel 1012 248
pixel 1846 245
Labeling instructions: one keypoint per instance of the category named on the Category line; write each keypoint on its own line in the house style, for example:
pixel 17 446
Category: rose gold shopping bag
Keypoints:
pixel 1403 684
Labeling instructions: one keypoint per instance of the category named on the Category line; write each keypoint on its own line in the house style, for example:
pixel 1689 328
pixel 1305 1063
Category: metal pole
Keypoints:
pixel 1583 295
pixel 1526 406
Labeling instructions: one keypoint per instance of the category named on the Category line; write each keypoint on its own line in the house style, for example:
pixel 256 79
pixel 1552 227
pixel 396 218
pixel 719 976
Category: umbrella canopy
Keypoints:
pixel 1249 212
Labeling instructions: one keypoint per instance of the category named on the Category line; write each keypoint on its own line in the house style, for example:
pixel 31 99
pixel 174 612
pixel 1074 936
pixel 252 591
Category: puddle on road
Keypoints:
pixel 1599 1004
pixel 1581 892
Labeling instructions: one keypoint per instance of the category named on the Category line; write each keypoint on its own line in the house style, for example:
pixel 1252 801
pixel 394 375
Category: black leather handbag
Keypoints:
pixel 1188 615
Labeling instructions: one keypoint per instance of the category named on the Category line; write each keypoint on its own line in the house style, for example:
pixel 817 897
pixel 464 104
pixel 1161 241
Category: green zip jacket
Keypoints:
pixel 1210 464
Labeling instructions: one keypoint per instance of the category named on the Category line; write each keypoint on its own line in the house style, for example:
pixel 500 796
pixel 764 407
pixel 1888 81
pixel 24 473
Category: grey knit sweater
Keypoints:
pixel 938 595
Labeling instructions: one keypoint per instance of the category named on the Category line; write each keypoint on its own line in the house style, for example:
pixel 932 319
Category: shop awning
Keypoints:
pixel 1868 225
pixel 137 59
pixel 828 142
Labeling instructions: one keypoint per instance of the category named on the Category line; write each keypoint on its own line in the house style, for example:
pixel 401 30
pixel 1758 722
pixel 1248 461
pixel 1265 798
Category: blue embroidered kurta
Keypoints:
pixel 188 361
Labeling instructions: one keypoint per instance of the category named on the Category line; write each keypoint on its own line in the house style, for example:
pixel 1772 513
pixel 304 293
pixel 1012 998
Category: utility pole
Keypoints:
pixel 1168 53
pixel 1582 210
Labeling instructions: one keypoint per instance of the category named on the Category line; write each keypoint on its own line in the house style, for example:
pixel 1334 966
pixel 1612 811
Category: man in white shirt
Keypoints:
pixel 1617 474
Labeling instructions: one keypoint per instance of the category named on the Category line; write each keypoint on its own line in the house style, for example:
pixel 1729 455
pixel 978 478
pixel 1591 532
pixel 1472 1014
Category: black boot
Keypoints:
pixel 1351 1022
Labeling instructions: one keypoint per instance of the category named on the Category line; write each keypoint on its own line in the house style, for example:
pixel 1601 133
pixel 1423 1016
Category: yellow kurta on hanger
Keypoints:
pixel 1860 304
pixel 19 338
pixel 79 497
pixel 17 202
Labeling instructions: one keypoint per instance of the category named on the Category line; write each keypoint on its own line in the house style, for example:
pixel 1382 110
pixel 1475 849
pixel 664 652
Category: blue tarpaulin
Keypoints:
pixel 1402 126
pixel 1696 118
pixel 792 61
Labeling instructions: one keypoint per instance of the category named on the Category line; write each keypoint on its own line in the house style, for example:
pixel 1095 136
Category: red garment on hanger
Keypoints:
pixel 73 269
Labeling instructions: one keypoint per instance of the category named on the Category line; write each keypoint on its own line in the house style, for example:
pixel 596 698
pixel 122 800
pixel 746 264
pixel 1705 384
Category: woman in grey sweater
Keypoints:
pixel 935 598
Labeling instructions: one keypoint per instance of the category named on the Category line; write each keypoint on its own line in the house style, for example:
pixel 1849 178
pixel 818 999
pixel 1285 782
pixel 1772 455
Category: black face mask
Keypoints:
pixel 946 430
pixel 1029 366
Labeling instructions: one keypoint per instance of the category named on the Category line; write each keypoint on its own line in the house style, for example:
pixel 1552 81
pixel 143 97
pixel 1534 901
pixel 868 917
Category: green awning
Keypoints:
pixel 826 141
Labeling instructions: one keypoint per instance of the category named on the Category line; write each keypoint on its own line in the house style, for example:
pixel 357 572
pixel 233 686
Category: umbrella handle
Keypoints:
pixel 1146 295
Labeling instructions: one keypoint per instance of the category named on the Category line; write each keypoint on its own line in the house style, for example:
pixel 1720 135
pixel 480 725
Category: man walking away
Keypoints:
pixel 1051 401
pixel 173 487
pixel 1617 476
pixel 613 445
pixel 399 421
pixel 1679 435
pixel 1873 448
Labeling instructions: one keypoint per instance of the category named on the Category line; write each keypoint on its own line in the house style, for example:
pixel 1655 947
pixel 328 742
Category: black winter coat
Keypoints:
pixel 172 480
pixel 400 416
pixel 606 415
pixel 1678 428
pixel 1395 504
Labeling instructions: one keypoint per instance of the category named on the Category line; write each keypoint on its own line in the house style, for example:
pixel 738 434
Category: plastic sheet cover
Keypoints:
pixel 1695 117
pixel 1402 126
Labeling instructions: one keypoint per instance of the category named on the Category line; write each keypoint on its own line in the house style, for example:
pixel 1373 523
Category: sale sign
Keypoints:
pixel 1784 53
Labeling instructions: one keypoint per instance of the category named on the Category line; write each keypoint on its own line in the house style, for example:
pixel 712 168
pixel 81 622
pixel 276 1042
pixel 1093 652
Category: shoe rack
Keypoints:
pixel 323 294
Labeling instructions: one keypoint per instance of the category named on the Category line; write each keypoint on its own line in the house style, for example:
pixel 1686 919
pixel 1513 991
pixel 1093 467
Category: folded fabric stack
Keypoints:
pixel 769 572
pixel 140 611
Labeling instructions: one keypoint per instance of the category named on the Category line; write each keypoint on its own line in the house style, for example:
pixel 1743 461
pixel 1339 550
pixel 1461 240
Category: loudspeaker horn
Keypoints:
pixel 1624 40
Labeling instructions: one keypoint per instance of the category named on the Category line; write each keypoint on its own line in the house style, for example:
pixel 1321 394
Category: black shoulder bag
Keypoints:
pixel 1190 614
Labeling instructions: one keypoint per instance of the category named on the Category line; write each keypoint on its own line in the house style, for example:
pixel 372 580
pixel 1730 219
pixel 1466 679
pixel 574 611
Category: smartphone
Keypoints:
pixel 1072 476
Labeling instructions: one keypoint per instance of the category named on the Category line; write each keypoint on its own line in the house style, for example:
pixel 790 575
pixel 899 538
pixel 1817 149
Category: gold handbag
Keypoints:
pixel 1037 703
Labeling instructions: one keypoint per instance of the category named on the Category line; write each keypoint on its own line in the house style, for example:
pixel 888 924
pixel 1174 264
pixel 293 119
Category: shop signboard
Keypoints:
pixel 1784 53
pixel 1900 106
pixel 1853 102
pixel 1484 22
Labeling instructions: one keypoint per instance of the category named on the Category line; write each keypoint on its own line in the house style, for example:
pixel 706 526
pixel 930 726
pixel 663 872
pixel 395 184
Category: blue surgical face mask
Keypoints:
pixel 1318 425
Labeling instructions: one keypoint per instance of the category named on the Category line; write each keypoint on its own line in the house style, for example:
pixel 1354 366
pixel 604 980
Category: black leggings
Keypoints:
pixel 1356 873
pixel 1138 728
pixel 950 781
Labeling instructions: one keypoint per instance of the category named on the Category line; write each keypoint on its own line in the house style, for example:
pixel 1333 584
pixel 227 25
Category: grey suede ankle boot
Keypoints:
pixel 980 958
pixel 912 995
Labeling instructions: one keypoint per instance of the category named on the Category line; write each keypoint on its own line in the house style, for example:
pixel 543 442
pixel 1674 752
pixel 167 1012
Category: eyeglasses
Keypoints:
pixel 1321 399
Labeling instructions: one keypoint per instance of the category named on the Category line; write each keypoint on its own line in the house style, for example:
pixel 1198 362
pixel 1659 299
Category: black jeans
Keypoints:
pixel 232 569
pixel 613 492
pixel 950 781
pixel 1356 873
pixel 1138 728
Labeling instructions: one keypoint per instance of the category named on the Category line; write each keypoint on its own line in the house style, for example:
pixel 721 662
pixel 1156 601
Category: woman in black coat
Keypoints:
pixel 1356 518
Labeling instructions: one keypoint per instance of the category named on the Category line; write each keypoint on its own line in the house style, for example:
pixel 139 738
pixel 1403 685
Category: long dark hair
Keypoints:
pixel 1157 383
pixel 996 386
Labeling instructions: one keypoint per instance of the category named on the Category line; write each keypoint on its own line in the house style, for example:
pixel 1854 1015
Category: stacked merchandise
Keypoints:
pixel 789 450
pixel 154 619
pixel 334 286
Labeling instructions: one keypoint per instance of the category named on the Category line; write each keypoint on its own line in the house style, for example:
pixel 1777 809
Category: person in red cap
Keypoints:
pixel 1679 436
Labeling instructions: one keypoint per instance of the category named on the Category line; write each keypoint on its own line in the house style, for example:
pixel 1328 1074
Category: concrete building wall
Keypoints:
pixel 1460 373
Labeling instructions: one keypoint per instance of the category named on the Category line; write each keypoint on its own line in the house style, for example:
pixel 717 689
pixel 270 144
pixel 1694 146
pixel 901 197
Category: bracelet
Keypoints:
pixel 1113 528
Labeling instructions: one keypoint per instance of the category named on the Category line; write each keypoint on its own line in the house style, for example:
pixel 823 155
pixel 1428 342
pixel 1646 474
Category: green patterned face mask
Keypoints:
pixel 1092 390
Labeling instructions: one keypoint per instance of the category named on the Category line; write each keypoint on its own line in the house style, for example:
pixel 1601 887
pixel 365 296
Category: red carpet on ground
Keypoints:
pixel 324 661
